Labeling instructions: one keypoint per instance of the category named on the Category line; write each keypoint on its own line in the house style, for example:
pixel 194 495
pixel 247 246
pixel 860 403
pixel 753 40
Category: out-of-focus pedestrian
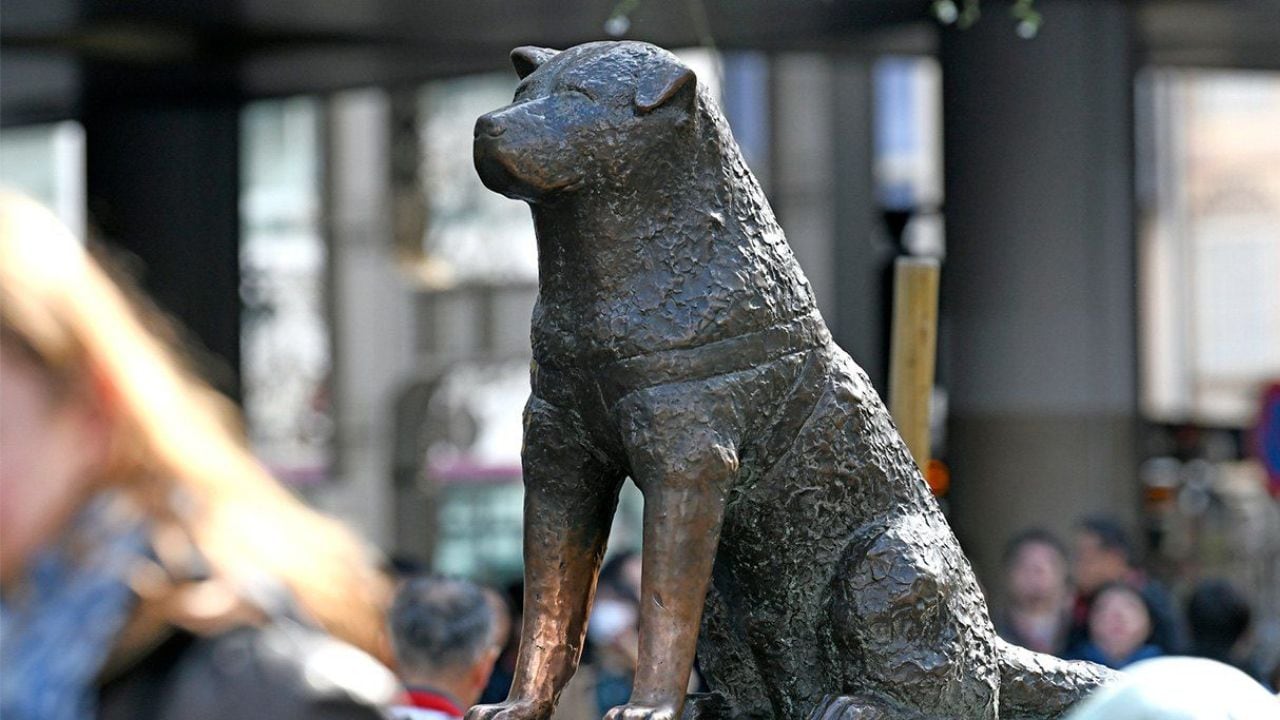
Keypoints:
pixel 442 630
pixel 1119 629
pixel 1104 554
pixel 1218 619
pixel 149 567
pixel 613 630
pixel 1036 612
pixel 508 606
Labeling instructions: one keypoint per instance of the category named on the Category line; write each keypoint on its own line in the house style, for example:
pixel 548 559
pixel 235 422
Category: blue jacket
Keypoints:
pixel 1091 652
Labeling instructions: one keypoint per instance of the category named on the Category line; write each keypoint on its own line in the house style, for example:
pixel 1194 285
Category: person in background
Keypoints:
pixel 442 631
pixel 1037 610
pixel 140 542
pixel 612 630
pixel 1119 629
pixel 1218 618
pixel 506 637
pixel 1104 554
pixel 613 637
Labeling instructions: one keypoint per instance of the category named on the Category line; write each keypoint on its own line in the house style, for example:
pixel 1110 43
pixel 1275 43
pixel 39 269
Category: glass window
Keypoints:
pixel 908 132
pixel 1209 247
pixel 908 150
pixel 47 163
pixel 473 234
pixel 284 333
pixel 473 429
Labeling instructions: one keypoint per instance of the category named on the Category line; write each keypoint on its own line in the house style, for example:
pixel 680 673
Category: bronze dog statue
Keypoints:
pixel 676 342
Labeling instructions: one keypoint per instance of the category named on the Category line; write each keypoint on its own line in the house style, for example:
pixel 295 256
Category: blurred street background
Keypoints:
pixel 292 179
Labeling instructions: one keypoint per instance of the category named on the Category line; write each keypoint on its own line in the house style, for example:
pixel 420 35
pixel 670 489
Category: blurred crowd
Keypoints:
pixel 1094 602
pixel 604 676
pixel 150 568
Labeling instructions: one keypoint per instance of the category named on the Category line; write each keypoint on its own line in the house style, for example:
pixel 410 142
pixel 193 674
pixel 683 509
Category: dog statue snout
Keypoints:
pixel 488 126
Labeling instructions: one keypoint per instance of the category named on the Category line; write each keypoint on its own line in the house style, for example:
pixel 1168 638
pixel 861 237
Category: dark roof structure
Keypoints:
pixel 59 55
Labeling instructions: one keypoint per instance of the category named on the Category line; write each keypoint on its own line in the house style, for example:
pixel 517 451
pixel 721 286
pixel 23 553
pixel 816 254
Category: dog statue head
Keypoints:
pixel 596 118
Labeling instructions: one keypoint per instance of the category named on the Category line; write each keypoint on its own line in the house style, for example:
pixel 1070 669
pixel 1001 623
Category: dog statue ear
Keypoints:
pixel 527 58
pixel 665 84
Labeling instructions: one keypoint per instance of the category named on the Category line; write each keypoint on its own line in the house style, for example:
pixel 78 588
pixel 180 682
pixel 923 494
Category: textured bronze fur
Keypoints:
pixel 676 341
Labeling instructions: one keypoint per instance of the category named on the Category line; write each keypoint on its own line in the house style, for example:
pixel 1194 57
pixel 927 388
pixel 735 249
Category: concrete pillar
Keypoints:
pixel 1038 285
pixel 372 310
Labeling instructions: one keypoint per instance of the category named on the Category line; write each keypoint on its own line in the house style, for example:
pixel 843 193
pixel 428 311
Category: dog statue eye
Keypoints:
pixel 582 92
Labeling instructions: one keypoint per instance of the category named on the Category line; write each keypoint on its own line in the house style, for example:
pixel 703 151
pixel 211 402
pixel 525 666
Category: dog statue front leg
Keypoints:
pixel 685 494
pixel 570 498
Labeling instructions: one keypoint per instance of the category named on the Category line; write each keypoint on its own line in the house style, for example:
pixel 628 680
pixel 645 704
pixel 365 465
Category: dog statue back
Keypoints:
pixel 787 530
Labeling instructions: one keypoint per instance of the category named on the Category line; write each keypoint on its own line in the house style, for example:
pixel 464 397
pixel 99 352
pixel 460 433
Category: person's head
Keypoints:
pixel 1103 553
pixel 442 635
pixel 1218 616
pixel 53 437
pixel 1178 688
pixel 615 611
pixel 503 618
pixel 95 398
pixel 620 575
pixel 1119 620
pixel 1035 564
pixel 399 567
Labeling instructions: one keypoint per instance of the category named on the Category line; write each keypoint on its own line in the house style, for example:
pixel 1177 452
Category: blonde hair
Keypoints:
pixel 173 436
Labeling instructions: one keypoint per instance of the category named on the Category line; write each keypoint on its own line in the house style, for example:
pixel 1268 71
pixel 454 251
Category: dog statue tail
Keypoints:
pixel 1035 685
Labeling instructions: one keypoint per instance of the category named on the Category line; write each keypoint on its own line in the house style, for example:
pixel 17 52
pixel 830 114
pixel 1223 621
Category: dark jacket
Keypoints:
pixel 282 671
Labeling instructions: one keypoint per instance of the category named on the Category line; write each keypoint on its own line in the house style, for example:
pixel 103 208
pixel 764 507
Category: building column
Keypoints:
pixel 1038 285
pixel 163 185
pixel 371 306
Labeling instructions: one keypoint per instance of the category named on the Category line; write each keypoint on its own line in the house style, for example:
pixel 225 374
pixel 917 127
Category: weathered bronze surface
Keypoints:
pixel 676 341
